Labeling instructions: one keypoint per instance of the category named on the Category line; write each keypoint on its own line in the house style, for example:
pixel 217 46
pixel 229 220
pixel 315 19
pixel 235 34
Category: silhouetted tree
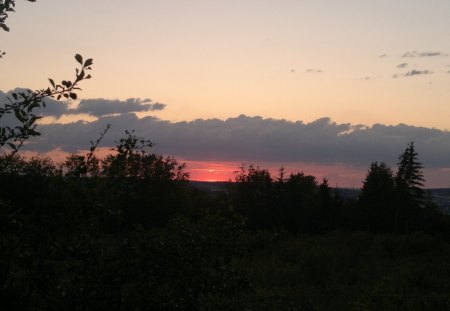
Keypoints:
pixel 377 197
pixel 410 179
pixel 253 195
pixel 301 210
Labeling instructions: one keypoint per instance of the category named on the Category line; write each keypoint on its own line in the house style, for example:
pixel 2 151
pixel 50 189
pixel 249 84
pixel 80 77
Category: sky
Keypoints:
pixel 320 86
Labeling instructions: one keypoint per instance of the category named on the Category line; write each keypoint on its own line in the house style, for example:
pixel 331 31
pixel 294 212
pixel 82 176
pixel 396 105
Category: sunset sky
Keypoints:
pixel 320 86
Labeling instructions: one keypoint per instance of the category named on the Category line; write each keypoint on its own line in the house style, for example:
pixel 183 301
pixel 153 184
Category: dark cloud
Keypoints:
pixel 402 65
pixel 94 107
pixel 382 56
pixel 423 54
pixel 52 108
pixel 254 139
pixel 412 73
pixel 311 70
pixel 102 107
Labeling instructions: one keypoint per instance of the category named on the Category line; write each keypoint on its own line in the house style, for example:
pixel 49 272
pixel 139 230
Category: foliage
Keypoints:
pixel 7 6
pixel 23 104
pixel 130 233
pixel 131 160
pixel 356 271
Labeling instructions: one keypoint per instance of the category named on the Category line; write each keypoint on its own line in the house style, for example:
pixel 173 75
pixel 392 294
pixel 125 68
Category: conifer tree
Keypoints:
pixel 410 179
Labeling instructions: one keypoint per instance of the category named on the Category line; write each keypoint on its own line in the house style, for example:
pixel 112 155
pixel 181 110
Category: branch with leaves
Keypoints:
pixel 7 6
pixel 23 104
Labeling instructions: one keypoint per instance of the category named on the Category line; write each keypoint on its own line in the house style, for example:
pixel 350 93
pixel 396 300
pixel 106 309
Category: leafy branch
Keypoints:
pixel 6 6
pixel 22 105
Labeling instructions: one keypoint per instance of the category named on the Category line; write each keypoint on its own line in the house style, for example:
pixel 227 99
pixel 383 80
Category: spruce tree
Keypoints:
pixel 410 179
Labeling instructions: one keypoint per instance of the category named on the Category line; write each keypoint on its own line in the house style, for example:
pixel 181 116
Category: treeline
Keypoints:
pixel 128 232
pixel 388 203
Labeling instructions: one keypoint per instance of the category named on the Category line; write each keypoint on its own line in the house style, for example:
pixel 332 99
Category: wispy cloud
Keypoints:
pixel 402 65
pixel 311 70
pixel 423 54
pixel 382 56
pixel 413 72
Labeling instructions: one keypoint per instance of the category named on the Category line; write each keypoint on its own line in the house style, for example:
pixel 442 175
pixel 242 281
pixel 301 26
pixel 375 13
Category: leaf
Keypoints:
pixel 73 95
pixel 5 28
pixel 79 58
pixel 32 132
pixel 81 75
pixel 88 62
pixel 52 82
pixel 19 115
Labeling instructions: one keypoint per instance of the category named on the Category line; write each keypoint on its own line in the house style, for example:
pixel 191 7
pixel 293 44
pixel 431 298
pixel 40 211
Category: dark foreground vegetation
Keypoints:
pixel 129 232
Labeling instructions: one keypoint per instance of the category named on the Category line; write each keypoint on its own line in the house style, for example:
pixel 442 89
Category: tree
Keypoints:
pixel 410 179
pixel 133 161
pixel 252 197
pixel 377 197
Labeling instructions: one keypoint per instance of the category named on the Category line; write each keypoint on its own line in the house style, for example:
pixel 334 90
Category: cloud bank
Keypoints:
pixel 255 139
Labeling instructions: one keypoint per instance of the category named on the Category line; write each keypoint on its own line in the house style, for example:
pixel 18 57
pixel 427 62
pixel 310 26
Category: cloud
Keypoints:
pixel 311 70
pixel 52 107
pixel 402 65
pixel 102 107
pixel 412 73
pixel 94 107
pixel 382 56
pixel 415 72
pixel 257 140
pixel 423 54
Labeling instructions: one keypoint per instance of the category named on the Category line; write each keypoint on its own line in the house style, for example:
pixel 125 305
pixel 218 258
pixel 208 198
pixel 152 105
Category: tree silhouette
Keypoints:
pixel 410 177
pixel 410 195
pixel 378 197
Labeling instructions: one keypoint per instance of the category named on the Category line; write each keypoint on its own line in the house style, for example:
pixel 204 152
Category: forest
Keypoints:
pixel 130 232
